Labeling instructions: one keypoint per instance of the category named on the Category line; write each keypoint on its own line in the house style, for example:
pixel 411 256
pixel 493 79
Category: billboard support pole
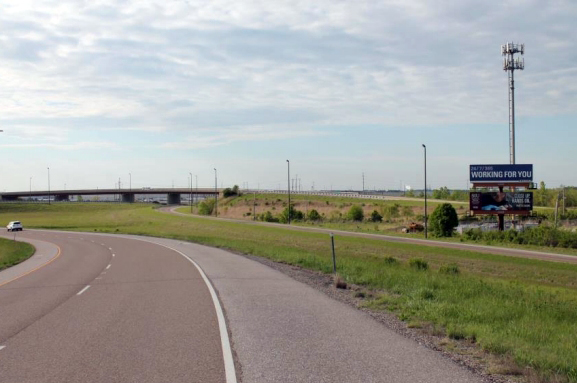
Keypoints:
pixel 501 216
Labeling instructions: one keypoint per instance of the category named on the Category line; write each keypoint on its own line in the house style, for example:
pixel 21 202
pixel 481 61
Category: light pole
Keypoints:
pixel 190 197
pixel 48 185
pixel 130 181
pixel 196 178
pixel 425 148
pixel 30 196
pixel 216 193
pixel 289 190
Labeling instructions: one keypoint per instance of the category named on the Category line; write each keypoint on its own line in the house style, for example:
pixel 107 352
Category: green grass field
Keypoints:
pixel 524 310
pixel 12 253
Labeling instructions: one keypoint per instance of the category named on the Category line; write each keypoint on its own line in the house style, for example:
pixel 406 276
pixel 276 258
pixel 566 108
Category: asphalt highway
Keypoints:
pixel 107 309
pixel 117 308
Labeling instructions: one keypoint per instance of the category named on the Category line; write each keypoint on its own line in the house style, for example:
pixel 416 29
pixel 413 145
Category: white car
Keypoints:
pixel 14 226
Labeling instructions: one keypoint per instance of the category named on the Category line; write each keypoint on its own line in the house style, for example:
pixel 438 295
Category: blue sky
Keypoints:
pixel 96 90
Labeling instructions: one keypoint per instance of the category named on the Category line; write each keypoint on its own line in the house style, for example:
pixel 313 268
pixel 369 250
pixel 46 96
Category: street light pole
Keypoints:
pixel 190 198
pixel 425 148
pixel 130 181
pixel 216 191
pixel 30 196
pixel 48 186
pixel 289 190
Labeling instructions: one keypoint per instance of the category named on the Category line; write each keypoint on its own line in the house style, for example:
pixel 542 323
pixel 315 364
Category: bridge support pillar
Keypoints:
pixel 128 197
pixel 61 197
pixel 173 198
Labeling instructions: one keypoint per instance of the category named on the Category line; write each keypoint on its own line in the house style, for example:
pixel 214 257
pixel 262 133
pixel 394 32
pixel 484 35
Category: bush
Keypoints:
pixel 376 217
pixel 356 213
pixel 418 263
pixel 443 220
pixel 314 215
pixel 206 207
pixel 296 215
pixel 268 217
pixel 391 260
pixel 451 268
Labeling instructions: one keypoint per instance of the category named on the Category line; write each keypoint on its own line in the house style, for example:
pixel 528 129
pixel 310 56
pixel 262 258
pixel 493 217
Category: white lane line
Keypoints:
pixel 83 290
pixel 103 244
pixel 110 248
pixel 108 267
pixel 229 371
pixel 1 347
pixel 114 255
pixel 97 278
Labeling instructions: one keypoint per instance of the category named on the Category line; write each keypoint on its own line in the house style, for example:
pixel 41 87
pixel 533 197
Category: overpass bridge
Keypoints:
pixel 173 195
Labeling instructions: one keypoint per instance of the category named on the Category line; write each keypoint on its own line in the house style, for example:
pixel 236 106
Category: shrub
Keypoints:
pixel 376 217
pixel 296 215
pixel 418 263
pixel 443 220
pixel 451 268
pixel 268 217
pixel 206 207
pixel 314 215
pixel 356 213
pixel 391 260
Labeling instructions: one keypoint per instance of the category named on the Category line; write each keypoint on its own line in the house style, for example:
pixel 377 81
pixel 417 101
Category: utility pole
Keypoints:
pixel 254 207
pixel 289 190
pixel 190 197
pixel 425 148
pixel 363 182
pixel 216 194
pixel 48 186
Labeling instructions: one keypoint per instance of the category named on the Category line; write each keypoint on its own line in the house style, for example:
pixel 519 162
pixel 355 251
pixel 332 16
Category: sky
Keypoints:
pixel 148 92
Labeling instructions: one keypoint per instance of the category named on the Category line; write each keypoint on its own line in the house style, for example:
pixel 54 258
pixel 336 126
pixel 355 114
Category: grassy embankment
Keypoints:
pixel 397 213
pixel 12 253
pixel 522 310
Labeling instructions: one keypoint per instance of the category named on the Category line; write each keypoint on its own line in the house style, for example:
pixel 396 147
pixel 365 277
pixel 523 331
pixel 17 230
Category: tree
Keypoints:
pixel 356 213
pixel 441 193
pixel 443 220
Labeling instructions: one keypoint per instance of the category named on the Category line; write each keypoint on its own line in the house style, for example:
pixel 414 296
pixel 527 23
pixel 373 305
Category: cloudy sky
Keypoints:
pixel 96 90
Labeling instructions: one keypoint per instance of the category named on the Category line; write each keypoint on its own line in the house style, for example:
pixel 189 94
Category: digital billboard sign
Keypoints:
pixel 501 173
pixel 501 202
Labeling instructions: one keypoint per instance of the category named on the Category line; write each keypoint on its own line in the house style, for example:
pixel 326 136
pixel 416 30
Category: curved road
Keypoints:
pixel 148 317
pixel 107 309
pixel 544 256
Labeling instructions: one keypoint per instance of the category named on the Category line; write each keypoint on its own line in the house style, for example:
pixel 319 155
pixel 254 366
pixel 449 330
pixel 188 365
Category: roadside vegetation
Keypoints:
pixel 519 310
pixel 12 253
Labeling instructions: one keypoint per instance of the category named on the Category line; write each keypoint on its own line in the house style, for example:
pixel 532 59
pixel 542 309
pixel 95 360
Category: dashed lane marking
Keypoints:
pixel 83 290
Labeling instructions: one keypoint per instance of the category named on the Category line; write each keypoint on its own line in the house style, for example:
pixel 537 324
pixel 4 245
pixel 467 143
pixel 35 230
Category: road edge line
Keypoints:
pixel 229 369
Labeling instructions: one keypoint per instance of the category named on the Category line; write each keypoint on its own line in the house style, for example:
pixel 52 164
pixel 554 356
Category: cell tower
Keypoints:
pixel 510 64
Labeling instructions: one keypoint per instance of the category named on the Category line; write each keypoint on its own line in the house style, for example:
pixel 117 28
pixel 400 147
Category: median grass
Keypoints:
pixel 12 253
pixel 523 310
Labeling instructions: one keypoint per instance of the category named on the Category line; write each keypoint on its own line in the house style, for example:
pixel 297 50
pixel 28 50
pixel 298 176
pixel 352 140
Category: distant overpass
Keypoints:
pixel 173 195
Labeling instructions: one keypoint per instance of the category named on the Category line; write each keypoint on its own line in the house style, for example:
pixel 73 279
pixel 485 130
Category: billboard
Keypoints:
pixel 501 173
pixel 501 202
